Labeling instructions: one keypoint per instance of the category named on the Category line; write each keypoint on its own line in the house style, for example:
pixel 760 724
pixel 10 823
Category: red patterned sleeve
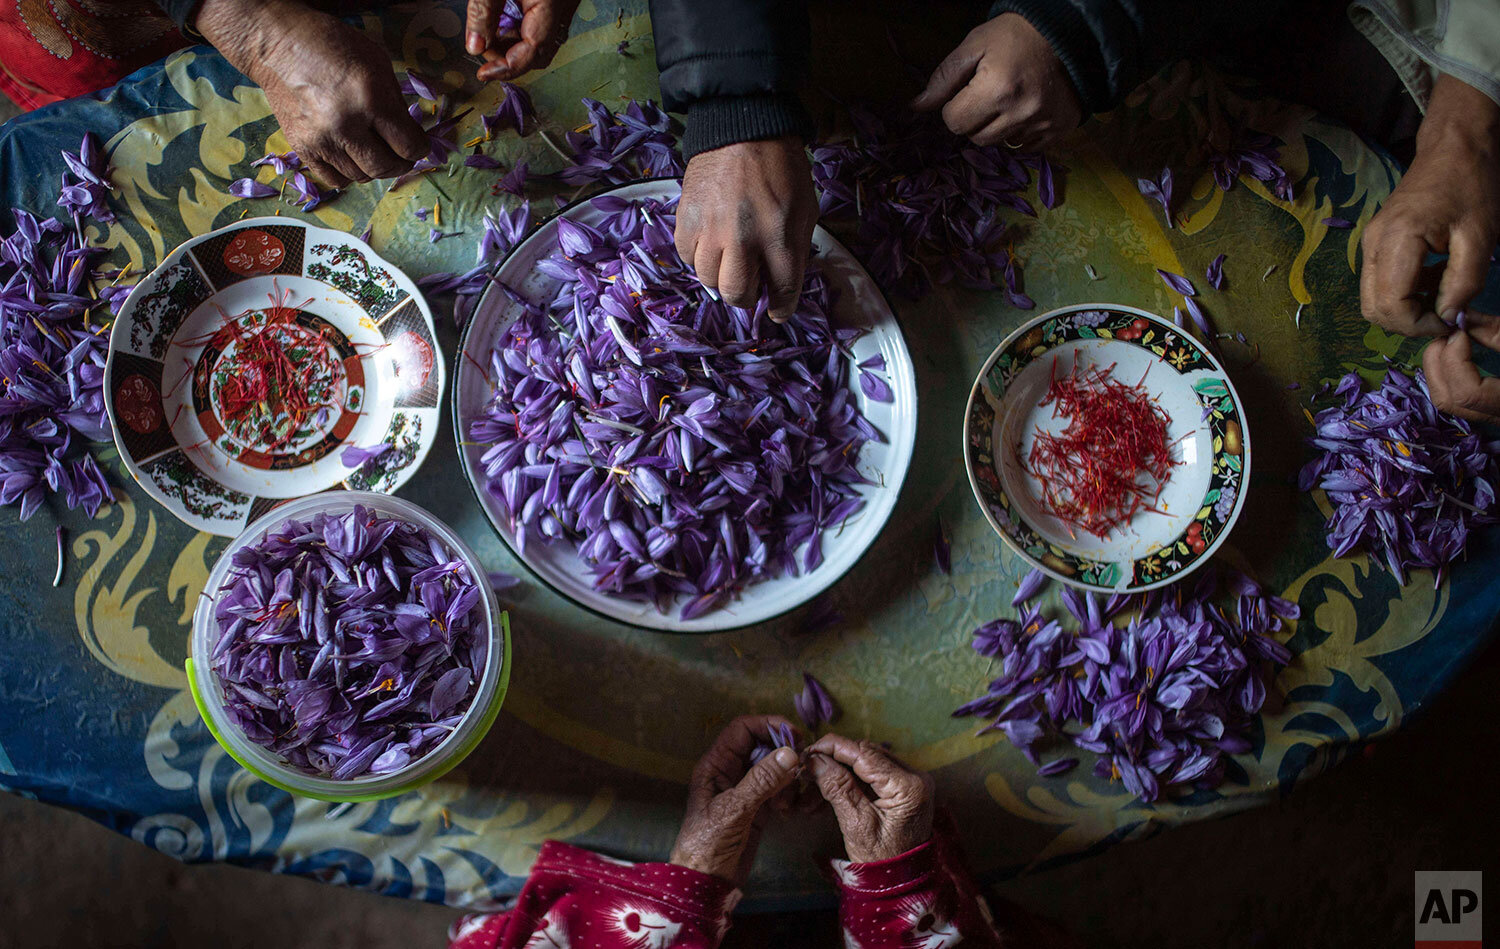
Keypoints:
pixel 575 898
pixel 923 899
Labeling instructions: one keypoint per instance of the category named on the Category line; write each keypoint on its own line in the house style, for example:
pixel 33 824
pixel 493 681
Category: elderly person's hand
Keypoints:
pixel 531 45
pixel 746 219
pixel 332 88
pixel 727 796
pixel 883 807
pixel 1448 202
pixel 1004 85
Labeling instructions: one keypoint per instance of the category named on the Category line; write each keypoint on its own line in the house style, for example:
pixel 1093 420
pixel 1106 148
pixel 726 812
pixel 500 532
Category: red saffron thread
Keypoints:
pixel 1113 459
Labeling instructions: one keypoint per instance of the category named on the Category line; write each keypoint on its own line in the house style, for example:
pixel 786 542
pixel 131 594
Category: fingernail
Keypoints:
pixel 1450 316
pixel 476 42
pixel 785 757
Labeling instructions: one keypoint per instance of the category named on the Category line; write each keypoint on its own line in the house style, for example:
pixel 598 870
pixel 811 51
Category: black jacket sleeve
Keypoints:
pixel 1110 46
pixel 734 67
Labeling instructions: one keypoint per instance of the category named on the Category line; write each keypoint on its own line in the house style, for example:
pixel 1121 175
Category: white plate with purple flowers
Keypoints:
pixel 269 360
pixel 1187 507
pixel 660 458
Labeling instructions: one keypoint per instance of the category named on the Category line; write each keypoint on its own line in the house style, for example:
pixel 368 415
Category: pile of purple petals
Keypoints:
pixel 347 644
pixel 688 447
pixel 53 344
pixel 1161 698
pixel 1407 483
pixel 618 147
pixel 929 203
pixel 1257 155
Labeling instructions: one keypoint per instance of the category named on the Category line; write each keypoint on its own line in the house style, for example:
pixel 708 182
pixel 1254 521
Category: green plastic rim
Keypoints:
pixel 486 721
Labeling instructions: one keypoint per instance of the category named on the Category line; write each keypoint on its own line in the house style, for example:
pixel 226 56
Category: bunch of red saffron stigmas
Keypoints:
pixel 1113 459
pixel 279 384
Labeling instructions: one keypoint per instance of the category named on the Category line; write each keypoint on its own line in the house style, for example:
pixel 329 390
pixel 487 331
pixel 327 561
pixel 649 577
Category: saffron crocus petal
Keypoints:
pixel 1215 272
pixel 1177 282
pixel 1029 587
pixel 1337 222
pixel 250 188
pixel 355 457
pixel 875 387
pixel 1056 767
pixel 942 549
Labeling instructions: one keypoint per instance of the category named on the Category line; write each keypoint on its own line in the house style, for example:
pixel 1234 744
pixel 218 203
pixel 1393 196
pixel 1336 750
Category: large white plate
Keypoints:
pixel 860 303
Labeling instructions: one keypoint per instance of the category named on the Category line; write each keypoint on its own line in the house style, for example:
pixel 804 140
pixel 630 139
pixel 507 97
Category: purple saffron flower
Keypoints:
pixel 513 111
pixel 1337 222
pixel 814 705
pixel 1159 191
pixel 480 161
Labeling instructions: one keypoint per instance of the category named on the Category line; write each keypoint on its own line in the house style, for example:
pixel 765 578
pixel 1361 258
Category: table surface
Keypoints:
pixel 603 723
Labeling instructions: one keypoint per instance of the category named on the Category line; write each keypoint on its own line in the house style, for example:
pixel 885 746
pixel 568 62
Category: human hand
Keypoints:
pixel 883 808
pixel 331 87
pixel 1004 84
pixel 746 220
pixel 1448 202
pixel 726 798
pixel 543 29
pixel 1454 381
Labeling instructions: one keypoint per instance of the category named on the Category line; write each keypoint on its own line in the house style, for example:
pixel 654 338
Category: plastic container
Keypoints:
pixel 272 768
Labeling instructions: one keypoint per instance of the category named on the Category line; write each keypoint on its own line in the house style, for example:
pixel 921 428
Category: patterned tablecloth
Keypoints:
pixel 603 723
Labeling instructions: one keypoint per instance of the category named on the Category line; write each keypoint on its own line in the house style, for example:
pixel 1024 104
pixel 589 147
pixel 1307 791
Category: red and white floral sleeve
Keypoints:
pixel 575 899
pixel 923 899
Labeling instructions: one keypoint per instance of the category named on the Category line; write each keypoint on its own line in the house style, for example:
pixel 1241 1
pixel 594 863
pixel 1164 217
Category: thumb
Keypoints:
pixel 763 781
pixel 951 75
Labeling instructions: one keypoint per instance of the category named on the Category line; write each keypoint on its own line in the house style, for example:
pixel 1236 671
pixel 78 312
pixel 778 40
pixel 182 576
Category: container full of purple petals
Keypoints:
pixel 348 647
pixel 665 459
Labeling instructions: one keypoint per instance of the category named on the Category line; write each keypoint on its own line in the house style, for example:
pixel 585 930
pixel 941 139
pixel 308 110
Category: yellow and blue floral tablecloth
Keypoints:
pixel 603 723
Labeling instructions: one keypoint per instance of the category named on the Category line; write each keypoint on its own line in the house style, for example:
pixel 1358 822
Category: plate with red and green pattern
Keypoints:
pixel 269 360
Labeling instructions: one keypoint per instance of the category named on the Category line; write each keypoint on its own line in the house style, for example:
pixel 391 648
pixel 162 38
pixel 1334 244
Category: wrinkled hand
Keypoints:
pixel 332 88
pixel 1449 201
pixel 746 219
pixel 543 29
pixel 726 799
pixel 1004 85
pixel 883 808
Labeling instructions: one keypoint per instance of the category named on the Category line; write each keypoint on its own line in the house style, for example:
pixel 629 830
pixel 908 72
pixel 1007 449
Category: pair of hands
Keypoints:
pixel 332 87
pixel 746 217
pixel 1448 202
pixel 883 808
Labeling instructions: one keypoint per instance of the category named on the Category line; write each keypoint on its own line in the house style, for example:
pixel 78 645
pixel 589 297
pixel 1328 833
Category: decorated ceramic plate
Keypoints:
pixel 1188 513
pixel 884 464
pixel 252 357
